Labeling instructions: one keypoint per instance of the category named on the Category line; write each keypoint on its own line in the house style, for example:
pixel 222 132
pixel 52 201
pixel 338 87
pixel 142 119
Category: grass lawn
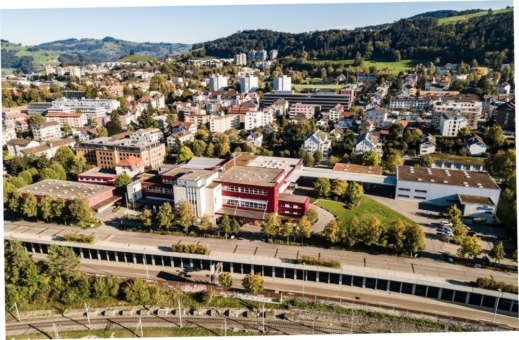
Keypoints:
pixel 364 211
pixel 412 162
pixel 394 66
pixel 505 213
pixel 461 159
pixel 453 20
pixel 133 58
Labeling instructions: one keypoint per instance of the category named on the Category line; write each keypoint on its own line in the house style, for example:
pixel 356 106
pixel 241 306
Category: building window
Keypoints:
pixel 419 197
pixel 406 196
pixel 424 191
pixel 404 189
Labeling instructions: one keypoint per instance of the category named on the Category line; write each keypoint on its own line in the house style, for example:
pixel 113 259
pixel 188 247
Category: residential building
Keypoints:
pixel 46 131
pixel 366 126
pixel 19 119
pixel 273 54
pixel 255 119
pixel 85 133
pixel 15 146
pixel 443 187
pixel 180 137
pixel 306 111
pixel 132 166
pixel 409 102
pixel 451 123
pixel 367 141
pixel 469 107
pixel 261 55
pixel 445 161
pixel 505 115
pixel 8 132
pixel 283 83
pixel 184 127
pixel 224 123
pixel 319 140
pixel 147 135
pixel 74 120
pixel 503 88
pixel 107 152
pixel 248 83
pixel 335 112
pixel 327 100
pixel 475 145
pixel 377 115
pixel 78 94
pixel 49 148
pixel 240 59
pixel 108 105
pixel 427 145
pixel 99 197
pixel 218 82
pixel 279 107
pixel 256 138
pixel 251 55
pixel 365 77
pixel 196 120
pixel 156 100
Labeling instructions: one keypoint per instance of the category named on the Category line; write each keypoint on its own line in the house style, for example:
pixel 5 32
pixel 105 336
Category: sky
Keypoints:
pixel 203 23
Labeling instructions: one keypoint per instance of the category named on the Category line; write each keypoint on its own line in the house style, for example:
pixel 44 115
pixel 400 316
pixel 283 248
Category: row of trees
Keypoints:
pixel 371 231
pixel 338 189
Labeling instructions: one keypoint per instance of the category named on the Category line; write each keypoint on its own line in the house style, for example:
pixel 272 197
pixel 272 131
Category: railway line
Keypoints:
pixel 272 326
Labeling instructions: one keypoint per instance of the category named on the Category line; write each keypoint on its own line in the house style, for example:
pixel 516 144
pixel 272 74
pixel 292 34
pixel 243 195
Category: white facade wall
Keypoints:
pixel 249 83
pixel 218 82
pixel 376 116
pixel 439 193
pixel 475 210
pixel 46 133
pixel 257 118
pixel 282 83
pixel 427 148
pixel 449 126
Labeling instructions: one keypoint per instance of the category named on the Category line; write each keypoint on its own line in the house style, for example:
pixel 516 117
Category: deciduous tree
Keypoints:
pixel 354 193
pixel 414 239
pixel 184 154
pixel 371 232
pixel 322 187
pixel 305 227
pixel 62 263
pixel 471 246
pixel 339 187
pixel 396 235
pixel 225 280
pixel 332 231
pixel 121 182
pixel 185 214
pixel 497 252
pixel 165 216
pixel 253 283
pixel 30 206
pixel 80 209
pixel 370 158
pixel 224 224
pixel 205 223
pixel 147 218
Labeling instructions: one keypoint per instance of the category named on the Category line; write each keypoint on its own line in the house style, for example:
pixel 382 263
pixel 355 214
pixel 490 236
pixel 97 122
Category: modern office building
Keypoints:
pixel 327 100
pixel 470 107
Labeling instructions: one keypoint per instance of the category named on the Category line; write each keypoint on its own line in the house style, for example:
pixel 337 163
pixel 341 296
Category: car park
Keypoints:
pixel 467 227
pixel 447 233
pixel 446 230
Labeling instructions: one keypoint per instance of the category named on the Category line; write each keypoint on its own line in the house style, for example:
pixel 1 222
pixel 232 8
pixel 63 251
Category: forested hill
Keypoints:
pixel 489 39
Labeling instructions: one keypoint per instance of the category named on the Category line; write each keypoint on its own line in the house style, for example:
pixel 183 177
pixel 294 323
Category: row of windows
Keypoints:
pixel 246 190
pixel 169 181
pixel 246 204
pixel 292 206
pixel 404 189
pixel 293 213
pixel 406 196
pixel 159 190
pixel 419 197
pixel 424 191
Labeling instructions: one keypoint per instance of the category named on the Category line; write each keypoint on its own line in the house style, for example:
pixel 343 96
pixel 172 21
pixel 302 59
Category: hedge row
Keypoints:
pixel 313 261
pixel 79 238
pixel 190 249
pixel 491 284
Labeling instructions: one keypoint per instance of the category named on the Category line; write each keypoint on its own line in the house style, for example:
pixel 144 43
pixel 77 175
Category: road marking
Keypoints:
pixel 108 238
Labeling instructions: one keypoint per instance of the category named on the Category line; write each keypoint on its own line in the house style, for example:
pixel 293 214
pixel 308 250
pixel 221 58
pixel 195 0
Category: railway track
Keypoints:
pixel 272 326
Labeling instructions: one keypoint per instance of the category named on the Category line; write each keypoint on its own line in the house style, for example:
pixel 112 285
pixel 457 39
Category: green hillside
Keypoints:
pixel 41 57
pixel 453 20
pixel 134 58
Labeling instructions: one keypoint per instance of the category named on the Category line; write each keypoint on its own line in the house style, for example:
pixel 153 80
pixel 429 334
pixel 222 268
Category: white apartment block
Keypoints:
pixel 282 83
pixel 299 109
pixel 240 59
pixel 8 132
pixel 147 135
pixel 224 123
pixel 46 131
pixel 261 55
pixel 248 83
pixel 108 104
pixel 451 123
pixel 468 107
pixel 409 102
pixel 376 115
pixel 218 82
pixel 335 112
pixel 273 54
pixel 255 119
pixel 74 120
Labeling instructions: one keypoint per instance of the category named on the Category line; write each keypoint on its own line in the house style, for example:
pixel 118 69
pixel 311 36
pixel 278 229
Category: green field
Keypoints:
pixel 133 58
pixel 394 66
pixel 367 208
pixel 453 20
pixel 41 57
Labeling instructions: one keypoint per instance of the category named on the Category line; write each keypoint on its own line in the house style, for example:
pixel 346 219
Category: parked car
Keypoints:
pixel 446 230
pixel 443 223
pixel 447 233
pixel 467 227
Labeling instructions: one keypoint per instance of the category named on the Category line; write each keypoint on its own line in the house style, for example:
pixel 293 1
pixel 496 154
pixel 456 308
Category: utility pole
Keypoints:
pixel 88 315
pixel 225 326
pixel 304 279
pixel 139 325
pixel 15 306
pixel 55 330
pixel 263 317
pixel 180 312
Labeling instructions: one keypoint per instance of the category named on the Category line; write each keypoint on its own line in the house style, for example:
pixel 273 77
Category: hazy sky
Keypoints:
pixel 199 24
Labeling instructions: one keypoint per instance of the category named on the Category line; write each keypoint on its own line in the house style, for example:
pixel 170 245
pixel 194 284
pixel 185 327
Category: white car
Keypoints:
pixel 446 230
pixel 447 233
pixel 467 227
pixel 445 224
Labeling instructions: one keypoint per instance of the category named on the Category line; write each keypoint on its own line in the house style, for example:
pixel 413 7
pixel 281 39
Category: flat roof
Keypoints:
pixel 195 175
pixel 204 162
pixel 475 199
pixel 446 177
pixel 99 172
pixel 240 159
pixel 65 189
pixel 358 169
pixel 293 198
pixel 274 162
pixel 175 172
pixel 250 176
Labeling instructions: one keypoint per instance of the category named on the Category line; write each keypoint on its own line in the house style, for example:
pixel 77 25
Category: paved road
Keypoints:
pixel 353 260
pixel 311 289
pixel 324 218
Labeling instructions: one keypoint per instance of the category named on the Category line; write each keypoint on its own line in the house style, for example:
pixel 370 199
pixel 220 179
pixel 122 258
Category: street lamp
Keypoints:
pixel 146 264
pixel 497 304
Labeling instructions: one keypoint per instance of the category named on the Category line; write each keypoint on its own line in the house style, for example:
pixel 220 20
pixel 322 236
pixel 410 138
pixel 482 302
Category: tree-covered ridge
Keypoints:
pixel 421 38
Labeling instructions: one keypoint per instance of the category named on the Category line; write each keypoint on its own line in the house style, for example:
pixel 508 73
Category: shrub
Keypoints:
pixel 78 238
pixel 190 249
pixel 491 284
pixel 313 261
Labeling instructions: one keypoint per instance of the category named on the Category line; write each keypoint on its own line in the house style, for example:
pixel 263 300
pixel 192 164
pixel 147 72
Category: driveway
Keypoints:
pixel 324 218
